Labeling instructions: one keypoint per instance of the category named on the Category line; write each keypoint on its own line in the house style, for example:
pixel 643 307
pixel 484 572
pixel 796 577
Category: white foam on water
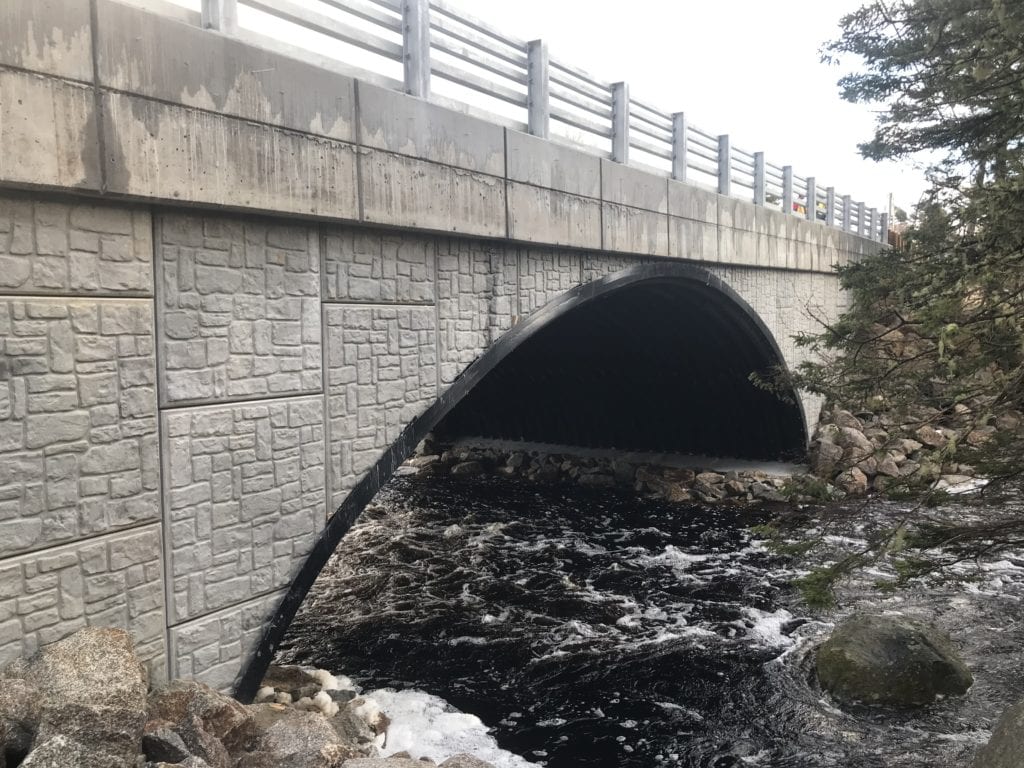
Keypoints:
pixel 428 726
pixel 767 627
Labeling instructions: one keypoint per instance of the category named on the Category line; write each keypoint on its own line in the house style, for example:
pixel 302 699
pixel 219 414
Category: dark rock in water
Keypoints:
pixel 1006 747
pixel 62 752
pixel 218 715
pixel 467 469
pixel 342 696
pixel 890 660
pixel 292 680
pixel 20 710
pixel 351 728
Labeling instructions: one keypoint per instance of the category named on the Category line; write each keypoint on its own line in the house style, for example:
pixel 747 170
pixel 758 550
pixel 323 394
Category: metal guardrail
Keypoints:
pixel 435 44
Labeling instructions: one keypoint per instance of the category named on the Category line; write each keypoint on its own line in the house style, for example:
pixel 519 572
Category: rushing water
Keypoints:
pixel 593 628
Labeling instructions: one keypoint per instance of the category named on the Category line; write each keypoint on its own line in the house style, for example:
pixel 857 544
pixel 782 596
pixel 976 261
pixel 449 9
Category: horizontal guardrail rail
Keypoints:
pixel 442 48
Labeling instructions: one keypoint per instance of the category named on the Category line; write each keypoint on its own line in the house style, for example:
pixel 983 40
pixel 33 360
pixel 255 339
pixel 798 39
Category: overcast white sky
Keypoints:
pixel 749 68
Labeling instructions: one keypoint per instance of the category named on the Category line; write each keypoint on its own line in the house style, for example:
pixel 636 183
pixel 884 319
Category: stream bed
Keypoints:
pixel 595 628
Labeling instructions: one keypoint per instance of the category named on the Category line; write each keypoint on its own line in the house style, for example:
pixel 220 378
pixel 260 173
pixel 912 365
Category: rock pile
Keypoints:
pixel 83 702
pixel 875 452
pixel 672 483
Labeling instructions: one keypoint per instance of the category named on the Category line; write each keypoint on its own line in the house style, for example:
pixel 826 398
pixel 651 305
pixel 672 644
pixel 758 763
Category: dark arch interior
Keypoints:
pixel 662 365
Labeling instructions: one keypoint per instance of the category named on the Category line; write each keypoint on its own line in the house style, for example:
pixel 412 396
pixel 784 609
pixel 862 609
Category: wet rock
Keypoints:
pixel 1006 746
pixel 20 710
pixel 852 482
pixel 595 480
pixel 765 492
pixel 468 469
pixel 465 761
pixel 516 460
pixel 709 478
pixel 735 488
pixel 931 437
pixel 218 715
pixel 546 473
pixel 623 472
pixel 890 660
pixel 345 695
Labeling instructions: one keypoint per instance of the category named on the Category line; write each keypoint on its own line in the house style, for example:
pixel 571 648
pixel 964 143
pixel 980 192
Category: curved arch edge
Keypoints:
pixel 365 490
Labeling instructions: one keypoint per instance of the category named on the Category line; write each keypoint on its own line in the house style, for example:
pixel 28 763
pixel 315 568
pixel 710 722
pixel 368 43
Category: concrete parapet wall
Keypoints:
pixel 174 113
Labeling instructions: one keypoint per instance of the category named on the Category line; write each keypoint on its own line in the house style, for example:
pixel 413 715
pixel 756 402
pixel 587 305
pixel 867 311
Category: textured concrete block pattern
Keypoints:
pixel 381 374
pixel 109 581
pixel 239 303
pixel 78 438
pixel 245 499
pixel 51 247
pixel 477 292
pixel 366 266
pixel 214 649
pixel 545 274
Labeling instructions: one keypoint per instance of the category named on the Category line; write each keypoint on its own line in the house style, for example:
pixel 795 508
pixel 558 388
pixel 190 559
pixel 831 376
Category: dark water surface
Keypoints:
pixel 593 628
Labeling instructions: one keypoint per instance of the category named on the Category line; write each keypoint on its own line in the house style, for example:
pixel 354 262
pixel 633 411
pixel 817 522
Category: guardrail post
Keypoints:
pixel 847 214
pixel 811 209
pixel 830 206
pixel 679 138
pixel 787 189
pixel 620 122
pixel 883 236
pixel 760 187
pixel 221 15
pixel 862 215
pixel 724 165
pixel 416 47
pixel 538 95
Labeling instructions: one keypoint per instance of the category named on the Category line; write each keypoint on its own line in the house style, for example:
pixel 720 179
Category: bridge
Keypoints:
pixel 239 281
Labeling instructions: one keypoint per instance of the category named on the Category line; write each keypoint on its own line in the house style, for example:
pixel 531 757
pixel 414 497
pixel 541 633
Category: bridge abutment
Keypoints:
pixel 224 297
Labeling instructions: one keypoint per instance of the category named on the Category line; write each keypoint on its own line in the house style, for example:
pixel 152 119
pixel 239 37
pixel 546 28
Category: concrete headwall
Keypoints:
pixel 228 280
pixel 186 396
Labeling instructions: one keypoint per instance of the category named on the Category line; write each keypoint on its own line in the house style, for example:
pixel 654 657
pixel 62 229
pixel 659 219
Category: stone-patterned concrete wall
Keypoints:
pixel 80 540
pixel 170 452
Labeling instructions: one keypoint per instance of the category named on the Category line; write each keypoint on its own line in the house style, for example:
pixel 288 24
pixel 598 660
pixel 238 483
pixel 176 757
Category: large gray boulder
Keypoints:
pixel 92 691
pixel 194 707
pixel 297 739
pixel 890 660
pixel 1006 747
pixel 20 710
pixel 62 752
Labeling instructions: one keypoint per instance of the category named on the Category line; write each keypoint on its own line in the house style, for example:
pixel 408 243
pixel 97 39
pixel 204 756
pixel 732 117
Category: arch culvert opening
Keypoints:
pixel 660 365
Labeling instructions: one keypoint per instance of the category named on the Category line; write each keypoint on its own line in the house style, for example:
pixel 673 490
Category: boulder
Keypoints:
pixel 114 731
pixel 292 680
pixel 385 762
pixel 297 739
pixel 853 482
pixel 890 660
pixel 468 469
pixel 62 752
pixel 843 418
pixel 888 466
pixel 765 492
pixel 92 690
pixel 825 457
pixel 465 761
pixel 854 443
pixel 215 713
pixel 161 744
pixel 931 437
pixel 1006 746
pixel 20 710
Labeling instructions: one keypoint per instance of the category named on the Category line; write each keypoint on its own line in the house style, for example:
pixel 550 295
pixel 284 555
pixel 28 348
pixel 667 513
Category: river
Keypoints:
pixel 596 628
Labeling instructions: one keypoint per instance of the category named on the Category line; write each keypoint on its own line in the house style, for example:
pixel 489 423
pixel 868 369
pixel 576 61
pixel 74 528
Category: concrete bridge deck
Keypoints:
pixel 229 283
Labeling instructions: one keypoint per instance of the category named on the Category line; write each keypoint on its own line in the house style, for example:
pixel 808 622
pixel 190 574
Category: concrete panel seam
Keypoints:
pixel 357 116
pixel 94 20
pixel 183 405
pixel 45 75
pixel 91 538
